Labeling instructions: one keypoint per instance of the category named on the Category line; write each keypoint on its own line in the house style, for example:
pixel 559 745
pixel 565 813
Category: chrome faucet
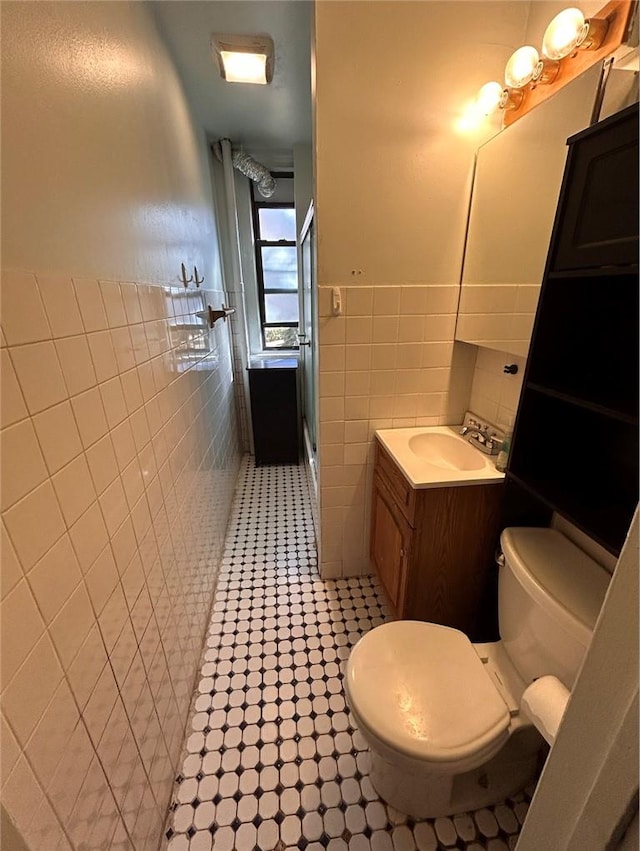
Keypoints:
pixel 472 425
pixel 485 440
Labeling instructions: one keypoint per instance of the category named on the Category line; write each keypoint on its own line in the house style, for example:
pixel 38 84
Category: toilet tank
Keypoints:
pixel 549 595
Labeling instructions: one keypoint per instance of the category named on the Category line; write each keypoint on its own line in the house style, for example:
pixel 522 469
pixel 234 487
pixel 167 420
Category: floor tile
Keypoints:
pixel 273 760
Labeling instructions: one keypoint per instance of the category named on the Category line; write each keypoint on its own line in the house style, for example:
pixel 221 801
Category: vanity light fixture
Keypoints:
pixel 569 30
pixel 244 58
pixel 488 98
pixel 511 99
pixel 521 67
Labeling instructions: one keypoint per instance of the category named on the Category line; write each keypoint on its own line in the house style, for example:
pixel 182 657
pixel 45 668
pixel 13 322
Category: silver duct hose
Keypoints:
pixel 252 169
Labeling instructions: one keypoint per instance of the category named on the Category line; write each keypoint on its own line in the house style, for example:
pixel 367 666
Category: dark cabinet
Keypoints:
pixel 273 385
pixel 575 444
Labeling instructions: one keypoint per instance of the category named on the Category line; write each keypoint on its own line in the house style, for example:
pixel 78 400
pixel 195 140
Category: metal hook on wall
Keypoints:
pixel 195 277
pixel 186 281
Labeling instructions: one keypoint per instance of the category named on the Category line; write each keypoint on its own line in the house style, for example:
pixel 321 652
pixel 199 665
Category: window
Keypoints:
pixel 274 226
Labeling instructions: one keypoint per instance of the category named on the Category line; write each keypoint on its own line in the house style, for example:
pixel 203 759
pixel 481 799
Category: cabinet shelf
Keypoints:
pixel 583 403
pixel 571 506
pixel 595 272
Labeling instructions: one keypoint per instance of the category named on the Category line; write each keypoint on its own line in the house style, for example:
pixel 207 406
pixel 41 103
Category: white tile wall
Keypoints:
pixel 388 361
pixel 119 462
pixel 498 316
pixel 494 393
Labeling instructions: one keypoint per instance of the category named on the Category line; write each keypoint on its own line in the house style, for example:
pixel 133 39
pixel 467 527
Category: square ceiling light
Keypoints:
pixel 244 58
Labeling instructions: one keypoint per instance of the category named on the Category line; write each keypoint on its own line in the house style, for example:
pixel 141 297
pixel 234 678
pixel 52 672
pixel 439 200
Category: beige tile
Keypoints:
pixel 113 618
pixel 331 358
pixel 58 436
pixel 22 796
pixel 26 696
pixel 132 390
pixel 12 405
pixel 70 628
pixel 74 488
pixel 90 417
pixel 139 428
pixel 357 357
pixel 39 375
pixel 101 579
pixel 384 356
pixel 331 331
pixel 23 315
pixel 381 407
pixel 89 536
pixel 85 670
pixel 50 739
pixel 358 330
pixel 23 466
pixel 442 299
pixel 139 343
pixel 113 503
pixel 76 363
pixel 60 304
pixel 123 348
pixel 131 303
pixel 409 355
pixel 102 463
pixel 91 305
pixel 357 383
pixel 359 301
pixel 39 510
pixel 410 329
pixel 113 304
pixel 21 625
pixel 11 572
pixel 124 444
pixel 132 482
pixel 356 408
pixel 332 432
pixel 386 301
pixel 103 355
pixel 54 578
pixel 439 327
pixel 356 431
pixel 65 785
pixel 413 301
pixel 115 406
pixel 11 751
pixel 331 384
pixel 385 329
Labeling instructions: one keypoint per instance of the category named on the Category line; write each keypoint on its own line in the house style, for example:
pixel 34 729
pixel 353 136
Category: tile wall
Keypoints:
pixel 388 361
pixel 119 464
pixel 498 314
pixel 494 393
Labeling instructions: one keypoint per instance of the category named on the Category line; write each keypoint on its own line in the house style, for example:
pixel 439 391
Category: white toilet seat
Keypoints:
pixel 421 690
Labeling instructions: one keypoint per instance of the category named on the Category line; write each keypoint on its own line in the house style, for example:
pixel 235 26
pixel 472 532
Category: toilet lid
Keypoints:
pixel 422 689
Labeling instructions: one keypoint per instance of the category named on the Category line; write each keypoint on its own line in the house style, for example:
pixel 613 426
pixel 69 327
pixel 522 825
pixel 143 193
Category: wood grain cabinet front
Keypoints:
pixel 433 565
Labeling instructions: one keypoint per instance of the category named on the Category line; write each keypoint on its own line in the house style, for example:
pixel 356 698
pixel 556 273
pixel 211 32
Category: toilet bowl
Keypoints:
pixel 441 715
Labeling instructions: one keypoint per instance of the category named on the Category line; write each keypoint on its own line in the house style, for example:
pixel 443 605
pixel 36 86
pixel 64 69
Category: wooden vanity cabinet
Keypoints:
pixel 432 548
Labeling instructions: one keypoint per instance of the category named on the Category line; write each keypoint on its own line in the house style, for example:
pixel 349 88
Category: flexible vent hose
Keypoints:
pixel 252 169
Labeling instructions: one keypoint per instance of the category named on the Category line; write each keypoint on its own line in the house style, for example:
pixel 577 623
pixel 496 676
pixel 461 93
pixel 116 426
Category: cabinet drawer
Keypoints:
pixel 404 494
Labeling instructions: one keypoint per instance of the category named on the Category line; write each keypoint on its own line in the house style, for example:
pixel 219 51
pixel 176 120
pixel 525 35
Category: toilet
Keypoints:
pixel 442 716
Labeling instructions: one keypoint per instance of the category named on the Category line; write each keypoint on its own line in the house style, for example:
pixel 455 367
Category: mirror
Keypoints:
pixel 515 193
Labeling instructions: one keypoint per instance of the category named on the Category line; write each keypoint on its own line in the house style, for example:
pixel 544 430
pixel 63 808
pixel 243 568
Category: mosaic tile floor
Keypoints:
pixel 274 760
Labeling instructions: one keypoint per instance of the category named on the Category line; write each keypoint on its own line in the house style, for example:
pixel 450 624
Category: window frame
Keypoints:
pixel 258 245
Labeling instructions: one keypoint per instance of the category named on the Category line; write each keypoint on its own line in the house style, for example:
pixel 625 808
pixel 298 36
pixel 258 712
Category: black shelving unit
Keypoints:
pixel 575 443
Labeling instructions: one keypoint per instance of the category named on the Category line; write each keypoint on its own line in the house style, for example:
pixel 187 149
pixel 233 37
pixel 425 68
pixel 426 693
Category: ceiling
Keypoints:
pixel 263 119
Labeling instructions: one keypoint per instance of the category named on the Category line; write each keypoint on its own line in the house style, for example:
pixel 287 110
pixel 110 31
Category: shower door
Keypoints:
pixel 308 341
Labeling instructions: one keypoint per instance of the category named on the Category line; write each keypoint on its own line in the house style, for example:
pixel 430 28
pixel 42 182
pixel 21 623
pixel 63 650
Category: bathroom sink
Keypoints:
pixel 437 456
pixel 446 451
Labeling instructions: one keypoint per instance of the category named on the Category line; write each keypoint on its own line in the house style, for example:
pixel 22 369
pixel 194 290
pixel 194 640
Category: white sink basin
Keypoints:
pixel 437 456
pixel 446 451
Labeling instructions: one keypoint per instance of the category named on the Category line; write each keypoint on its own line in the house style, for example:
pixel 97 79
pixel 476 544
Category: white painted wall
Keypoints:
pixel 392 175
pixel 103 173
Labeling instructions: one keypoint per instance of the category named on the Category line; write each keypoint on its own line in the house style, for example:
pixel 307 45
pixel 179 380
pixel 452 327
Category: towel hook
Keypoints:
pixel 186 281
pixel 195 277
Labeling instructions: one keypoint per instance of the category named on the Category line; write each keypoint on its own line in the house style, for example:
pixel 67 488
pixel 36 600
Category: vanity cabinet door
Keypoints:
pixel 390 542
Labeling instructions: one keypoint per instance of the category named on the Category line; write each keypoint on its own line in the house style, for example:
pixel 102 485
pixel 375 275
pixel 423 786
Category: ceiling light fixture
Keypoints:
pixel 569 30
pixel 244 58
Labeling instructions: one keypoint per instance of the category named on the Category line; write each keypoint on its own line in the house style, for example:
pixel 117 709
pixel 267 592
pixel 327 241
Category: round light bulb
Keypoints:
pixel 488 98
pixel 565 32
pixel 521 67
